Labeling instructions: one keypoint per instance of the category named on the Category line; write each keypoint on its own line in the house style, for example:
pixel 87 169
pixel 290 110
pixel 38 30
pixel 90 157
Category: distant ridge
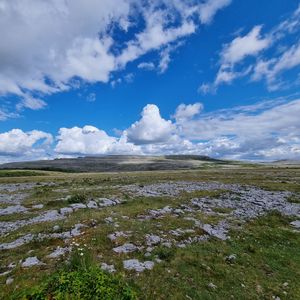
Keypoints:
pixel 287 162
pixel 116 163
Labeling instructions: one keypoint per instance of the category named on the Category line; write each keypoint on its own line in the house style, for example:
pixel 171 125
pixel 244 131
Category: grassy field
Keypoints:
pixel 265 250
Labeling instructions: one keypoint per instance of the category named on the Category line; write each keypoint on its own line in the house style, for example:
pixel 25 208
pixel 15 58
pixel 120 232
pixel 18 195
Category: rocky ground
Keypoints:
pixel 132 226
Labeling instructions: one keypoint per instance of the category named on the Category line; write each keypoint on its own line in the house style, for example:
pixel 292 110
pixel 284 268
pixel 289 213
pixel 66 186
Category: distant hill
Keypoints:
pixel 115 163
pixel 287 162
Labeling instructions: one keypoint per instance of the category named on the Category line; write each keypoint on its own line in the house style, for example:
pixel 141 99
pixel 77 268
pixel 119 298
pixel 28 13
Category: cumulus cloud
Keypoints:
pixel 248 132
pixel 264 131
pixel 151 128
pixel 51 42
pixel 90 140
pixel 21 145
pixel 184 111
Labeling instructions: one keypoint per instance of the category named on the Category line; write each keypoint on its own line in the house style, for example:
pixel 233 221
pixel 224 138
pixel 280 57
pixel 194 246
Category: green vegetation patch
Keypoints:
pixel 21 173
pixel 91 283
pixel 80 279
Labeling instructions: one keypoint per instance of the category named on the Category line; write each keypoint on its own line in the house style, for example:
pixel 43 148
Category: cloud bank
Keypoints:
pixel 268 130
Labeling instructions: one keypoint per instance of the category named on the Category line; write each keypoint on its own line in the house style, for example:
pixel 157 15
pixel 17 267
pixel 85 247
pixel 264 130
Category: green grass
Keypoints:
pixel 79 279
pixel 267 248
pixel 19 173
pixel 262 267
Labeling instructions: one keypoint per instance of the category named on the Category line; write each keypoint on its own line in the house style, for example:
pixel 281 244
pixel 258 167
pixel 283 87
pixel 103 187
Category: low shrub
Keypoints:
pixel 80 279
pixel 92 283
pixel 77 198
pixel 165 253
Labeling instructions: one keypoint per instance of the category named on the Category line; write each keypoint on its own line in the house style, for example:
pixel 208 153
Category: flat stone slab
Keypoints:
pixel 59 252
pixel 136 265
pixel 14 209
pixel 152 239
pixel 31 261
pixel 126 248
pixel 296 224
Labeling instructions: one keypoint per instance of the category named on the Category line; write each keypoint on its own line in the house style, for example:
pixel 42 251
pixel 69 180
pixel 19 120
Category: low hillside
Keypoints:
pixel 114 163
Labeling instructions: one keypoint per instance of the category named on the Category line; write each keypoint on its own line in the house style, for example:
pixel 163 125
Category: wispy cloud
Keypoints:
pixel 263 65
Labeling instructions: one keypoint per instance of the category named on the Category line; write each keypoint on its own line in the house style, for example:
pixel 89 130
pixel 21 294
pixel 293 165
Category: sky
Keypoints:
pixel 153 77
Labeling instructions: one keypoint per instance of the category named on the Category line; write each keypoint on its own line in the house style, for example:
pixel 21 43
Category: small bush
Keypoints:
pixel 42 191
pixel 92 283
pixel 78 198
pixel 165 253
pixel 80 279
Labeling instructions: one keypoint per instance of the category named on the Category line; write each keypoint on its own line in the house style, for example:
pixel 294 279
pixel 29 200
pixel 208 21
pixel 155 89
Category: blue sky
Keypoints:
pixel 212 77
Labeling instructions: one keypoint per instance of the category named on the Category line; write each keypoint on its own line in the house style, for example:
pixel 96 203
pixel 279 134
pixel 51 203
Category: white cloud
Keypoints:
pixel 236 51
pixel 51 42
pixel 91 97
pixel 4 115
pixel 19 145
pixel 151 128
pixel 86 140
pixel 90 140
pixel 248 131
pixel 32 103
pixel 285 56
pixel 154 37
pixel 208 9
pixel 266 130
pixel 272 68
pixel 184 111
pixel 241 47
pixel 146 66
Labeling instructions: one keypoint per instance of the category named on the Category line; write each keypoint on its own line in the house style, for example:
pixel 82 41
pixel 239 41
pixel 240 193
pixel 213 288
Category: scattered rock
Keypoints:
pixel 59 252
pixel 296 224
pixel 9 281
pixel 134 264
pixel 117 234
pixel 109 220
pixel 77 206
pixel 126 248
pixel 56 228
pixel 66 210
pixel 92 204
pixel 18 242
pixel 38 206
pixel 76 230
pixel 231 258
pixel 212 286
pixel 219 231
pixel 152 239
pixel 108 268
pixel 104 202
pixel 14 209
pixel 31 261
pixel 11 265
